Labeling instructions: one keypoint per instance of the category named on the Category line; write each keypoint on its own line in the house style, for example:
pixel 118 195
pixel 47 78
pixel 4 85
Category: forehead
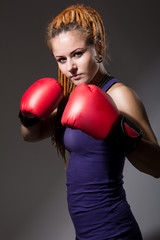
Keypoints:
pixel 67 42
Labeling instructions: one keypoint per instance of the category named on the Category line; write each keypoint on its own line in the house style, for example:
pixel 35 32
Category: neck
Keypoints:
pixel 101 73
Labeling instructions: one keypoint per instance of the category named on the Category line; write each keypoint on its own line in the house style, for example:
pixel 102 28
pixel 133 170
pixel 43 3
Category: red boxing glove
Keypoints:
pixel 41 98
pixel 91 110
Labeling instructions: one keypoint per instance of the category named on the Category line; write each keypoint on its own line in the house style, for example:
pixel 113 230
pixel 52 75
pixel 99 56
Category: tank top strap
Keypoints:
pixel 108 82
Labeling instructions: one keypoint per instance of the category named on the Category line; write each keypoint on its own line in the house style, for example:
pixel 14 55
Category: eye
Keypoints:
pixel 78 54
pixel 61 60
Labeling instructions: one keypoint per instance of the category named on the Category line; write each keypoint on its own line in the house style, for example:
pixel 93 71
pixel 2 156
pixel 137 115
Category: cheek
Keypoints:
pixel 93 66
pixel 88 63
pixel 62 68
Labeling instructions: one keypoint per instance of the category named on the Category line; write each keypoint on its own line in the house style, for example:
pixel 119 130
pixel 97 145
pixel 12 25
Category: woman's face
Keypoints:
pixel 75 58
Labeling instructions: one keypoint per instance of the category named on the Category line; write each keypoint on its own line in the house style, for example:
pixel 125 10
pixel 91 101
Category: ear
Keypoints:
pixel 99 52
pixel 99 48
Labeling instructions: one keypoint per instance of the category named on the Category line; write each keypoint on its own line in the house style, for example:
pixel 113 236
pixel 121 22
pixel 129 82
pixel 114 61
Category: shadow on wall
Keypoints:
pixel 153 236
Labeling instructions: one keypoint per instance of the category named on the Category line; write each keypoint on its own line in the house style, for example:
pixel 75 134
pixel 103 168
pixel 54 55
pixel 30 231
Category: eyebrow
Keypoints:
pixel 73 51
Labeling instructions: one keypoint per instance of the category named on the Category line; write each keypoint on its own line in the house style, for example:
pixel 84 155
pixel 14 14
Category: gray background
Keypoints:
pixel 32 176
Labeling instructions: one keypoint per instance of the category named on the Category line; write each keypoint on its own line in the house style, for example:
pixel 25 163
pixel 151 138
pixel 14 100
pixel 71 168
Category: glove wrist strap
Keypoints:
pixel 125 138
pixel 28 122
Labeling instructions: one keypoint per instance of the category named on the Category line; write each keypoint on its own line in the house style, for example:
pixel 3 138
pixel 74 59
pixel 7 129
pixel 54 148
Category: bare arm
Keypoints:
pixel 40 131
pixel 146 157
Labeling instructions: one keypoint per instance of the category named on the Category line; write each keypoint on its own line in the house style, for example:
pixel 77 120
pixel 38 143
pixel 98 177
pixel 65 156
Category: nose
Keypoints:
pixel 72 66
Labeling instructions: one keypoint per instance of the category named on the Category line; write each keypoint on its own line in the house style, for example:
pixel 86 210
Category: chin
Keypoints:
pixel 78 82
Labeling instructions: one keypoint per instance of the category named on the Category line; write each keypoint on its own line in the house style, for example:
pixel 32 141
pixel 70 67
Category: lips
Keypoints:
pixel 76 76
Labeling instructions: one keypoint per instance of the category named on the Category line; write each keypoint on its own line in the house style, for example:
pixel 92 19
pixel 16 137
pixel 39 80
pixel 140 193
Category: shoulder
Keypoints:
pixel 130 105
pixel 124 97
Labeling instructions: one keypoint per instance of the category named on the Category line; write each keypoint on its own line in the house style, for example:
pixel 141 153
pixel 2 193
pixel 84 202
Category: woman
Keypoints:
pixel 96 198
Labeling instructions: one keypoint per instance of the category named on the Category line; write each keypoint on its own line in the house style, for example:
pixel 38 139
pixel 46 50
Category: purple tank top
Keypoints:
pixel 95 194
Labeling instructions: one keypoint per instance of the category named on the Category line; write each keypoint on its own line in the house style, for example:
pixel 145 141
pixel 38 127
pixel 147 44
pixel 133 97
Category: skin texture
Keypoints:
pixel 77 61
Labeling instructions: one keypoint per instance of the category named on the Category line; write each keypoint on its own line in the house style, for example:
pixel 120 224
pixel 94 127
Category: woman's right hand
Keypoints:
pixel 39 103
pixel 41 98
